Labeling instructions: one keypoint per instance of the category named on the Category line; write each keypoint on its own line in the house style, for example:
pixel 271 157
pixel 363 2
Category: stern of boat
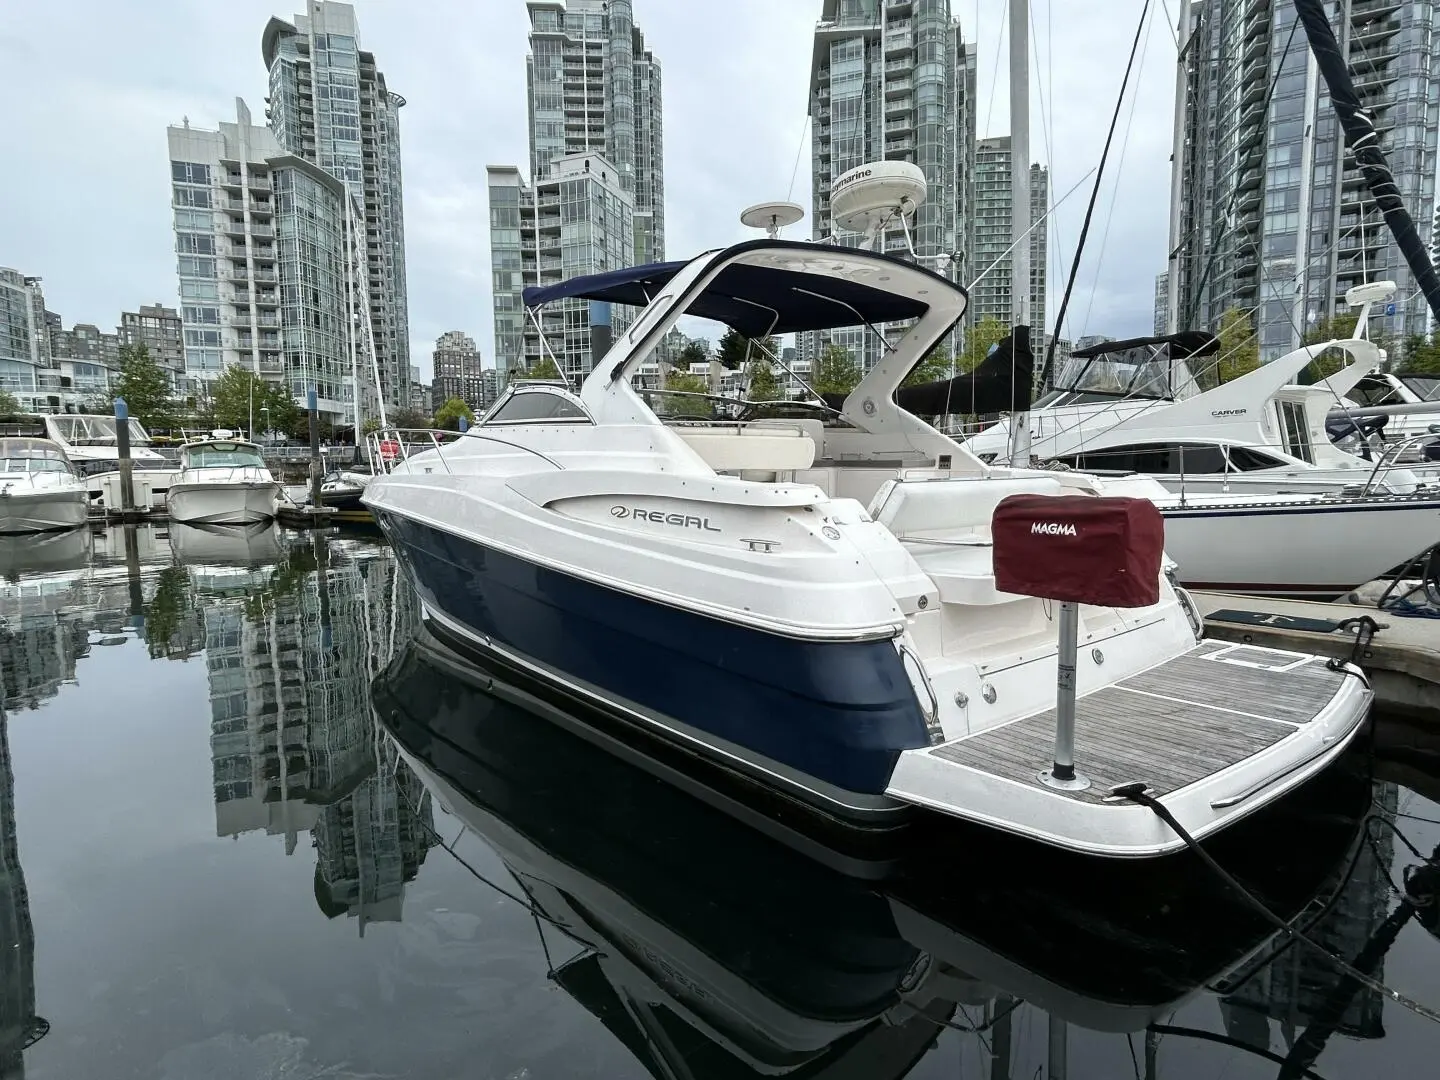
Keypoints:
pixel 1213 735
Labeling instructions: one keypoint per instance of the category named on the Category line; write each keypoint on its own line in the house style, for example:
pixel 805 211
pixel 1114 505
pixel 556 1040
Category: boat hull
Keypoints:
pixel 1308 550
pixel 823 721
pixel 24 511
pixel 223 504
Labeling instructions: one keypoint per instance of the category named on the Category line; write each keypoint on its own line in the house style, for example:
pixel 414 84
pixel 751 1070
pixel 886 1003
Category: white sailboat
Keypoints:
pixel 39 488
pixel 222 481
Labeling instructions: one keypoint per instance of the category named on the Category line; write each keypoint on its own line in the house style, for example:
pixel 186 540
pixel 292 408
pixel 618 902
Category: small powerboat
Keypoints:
pixel 40 491
pixel 222 481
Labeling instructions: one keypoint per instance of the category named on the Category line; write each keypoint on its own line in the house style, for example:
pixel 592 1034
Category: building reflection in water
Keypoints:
pixel 19 1026
pixel 292 629
pixel 290 651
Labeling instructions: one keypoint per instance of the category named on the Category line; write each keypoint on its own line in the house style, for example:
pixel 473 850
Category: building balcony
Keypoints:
pixel 264 275
pixel 234 226
pixel 264 208
pixel 262 230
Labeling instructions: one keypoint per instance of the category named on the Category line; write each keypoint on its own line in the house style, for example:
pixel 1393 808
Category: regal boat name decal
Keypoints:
pixel 659 517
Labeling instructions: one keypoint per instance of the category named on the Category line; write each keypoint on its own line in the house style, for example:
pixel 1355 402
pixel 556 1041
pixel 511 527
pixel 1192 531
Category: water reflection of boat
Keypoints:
pixel 232 545
pixel 706 940
pixel 30 553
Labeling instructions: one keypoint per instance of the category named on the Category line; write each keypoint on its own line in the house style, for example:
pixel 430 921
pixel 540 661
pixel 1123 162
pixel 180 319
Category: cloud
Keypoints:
pixel 84 197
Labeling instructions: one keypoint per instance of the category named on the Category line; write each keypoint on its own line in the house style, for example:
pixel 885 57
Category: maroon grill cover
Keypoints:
pixel 1079 548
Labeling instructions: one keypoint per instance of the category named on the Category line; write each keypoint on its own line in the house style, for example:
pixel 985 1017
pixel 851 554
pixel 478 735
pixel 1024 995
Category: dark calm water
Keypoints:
pixel 252 826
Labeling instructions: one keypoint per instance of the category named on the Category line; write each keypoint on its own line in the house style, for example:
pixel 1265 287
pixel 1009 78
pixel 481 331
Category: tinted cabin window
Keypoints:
pixel 1244 459
pixel 1373 391
pixel 537 406
pixel 1197 458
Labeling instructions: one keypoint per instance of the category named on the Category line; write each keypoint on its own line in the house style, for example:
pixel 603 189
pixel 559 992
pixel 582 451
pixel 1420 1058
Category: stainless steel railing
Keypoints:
pixel 390 448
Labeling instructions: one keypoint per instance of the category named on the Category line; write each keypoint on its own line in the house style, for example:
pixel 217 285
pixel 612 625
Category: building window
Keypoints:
pixel 189 172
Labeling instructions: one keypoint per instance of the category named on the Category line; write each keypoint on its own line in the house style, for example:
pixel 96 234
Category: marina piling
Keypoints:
pixel 316 468
pixel 127 467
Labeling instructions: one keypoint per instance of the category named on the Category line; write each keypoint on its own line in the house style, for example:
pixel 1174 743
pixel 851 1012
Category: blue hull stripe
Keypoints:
pixel 839 711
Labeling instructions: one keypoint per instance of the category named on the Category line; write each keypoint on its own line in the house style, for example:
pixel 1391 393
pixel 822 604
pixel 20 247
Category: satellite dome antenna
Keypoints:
pixel 771 216
pixel 872 197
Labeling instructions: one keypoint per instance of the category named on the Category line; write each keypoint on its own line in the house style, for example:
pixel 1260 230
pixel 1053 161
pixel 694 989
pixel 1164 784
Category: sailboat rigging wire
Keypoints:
pixel 799 146
pixel 1119 169
pixel 1033 226
pixel 1047 371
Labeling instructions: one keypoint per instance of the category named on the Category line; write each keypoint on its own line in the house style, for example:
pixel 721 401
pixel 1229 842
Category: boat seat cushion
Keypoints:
pixel 749 449
pixel 962 574
pixel 914 508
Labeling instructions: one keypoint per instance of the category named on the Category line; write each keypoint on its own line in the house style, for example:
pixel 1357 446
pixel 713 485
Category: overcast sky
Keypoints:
pixel 84 185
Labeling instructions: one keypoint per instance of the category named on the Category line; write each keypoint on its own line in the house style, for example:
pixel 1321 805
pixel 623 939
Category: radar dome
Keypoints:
pixel 864 198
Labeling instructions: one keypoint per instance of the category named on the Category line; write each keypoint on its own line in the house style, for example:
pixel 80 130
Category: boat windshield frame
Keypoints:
pixel 1151 377
pixel 98 429
pixel 192 456
pixel 18 449
pixel 1423 385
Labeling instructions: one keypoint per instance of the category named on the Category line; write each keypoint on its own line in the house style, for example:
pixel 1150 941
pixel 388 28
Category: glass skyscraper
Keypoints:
pixel 329 105
pixel 596 195
pixel 990 237
pixel 894 81
pixel 260 253
pixel 1274 219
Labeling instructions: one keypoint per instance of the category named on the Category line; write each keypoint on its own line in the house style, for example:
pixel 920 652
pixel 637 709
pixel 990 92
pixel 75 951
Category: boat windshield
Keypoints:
pixel 1425 387
pixel 95 430
pixel 32 456
pixel 223 455
pixel 1143 372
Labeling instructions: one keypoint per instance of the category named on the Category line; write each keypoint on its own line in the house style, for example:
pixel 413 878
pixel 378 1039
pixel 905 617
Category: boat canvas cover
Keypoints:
pixel 755 300
pixel 1079 549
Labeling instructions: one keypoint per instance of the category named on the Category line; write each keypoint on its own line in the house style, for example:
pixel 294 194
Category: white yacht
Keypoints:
pixel 222 481
pixel 90 442
pixel 39 488
pixel 1106 384
pixel 1259 434
pixel 815 605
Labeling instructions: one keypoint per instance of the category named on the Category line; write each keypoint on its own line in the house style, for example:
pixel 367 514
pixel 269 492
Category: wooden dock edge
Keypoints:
pixel 1403 660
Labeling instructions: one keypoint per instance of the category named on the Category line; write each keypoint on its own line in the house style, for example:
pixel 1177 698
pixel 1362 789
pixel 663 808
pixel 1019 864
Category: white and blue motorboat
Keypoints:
pixel 812 602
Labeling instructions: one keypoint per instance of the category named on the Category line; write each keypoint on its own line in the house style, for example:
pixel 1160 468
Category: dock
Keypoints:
pixel 295 516
pixel 1402 660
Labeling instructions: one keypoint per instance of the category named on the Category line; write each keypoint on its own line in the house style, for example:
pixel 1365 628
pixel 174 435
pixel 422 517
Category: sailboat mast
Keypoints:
pixel 1020 207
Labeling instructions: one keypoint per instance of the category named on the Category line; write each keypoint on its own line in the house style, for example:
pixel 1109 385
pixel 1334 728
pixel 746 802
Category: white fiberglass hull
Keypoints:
pixel 1315 548
pixel 239 503
pixel 45 510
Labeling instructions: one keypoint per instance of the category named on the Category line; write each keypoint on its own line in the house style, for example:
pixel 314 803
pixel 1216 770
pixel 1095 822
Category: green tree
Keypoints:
pixel 763 386
pixel 238 394
pixel 736 350
pixel 143 385
pixel 695 351
pixel 679 382
pixel 836 372
pixel 979 339
pixel 409 418
pixel 935 366
pixel 8 404
pixel 1239 348
pixel 544 368
pixel 448 415
pixel 1340 325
